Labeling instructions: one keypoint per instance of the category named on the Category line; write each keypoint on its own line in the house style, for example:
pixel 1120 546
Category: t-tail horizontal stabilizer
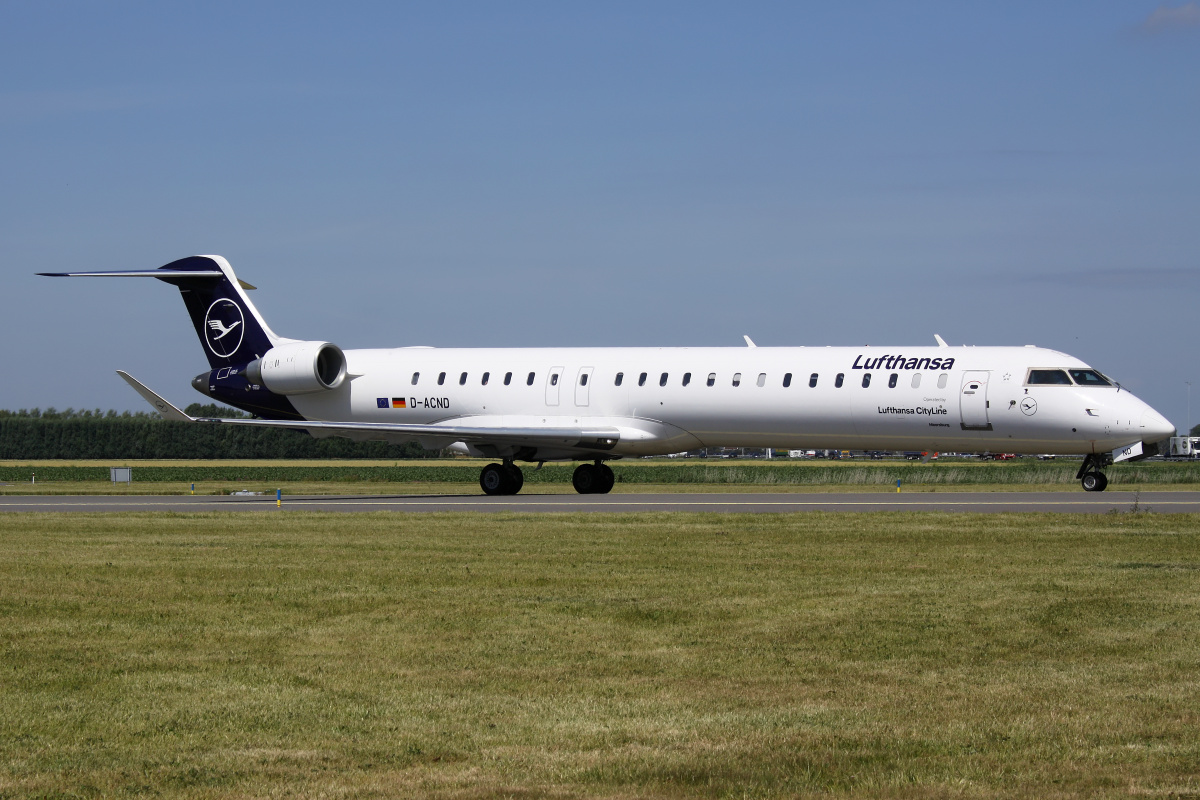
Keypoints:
pixel 230 328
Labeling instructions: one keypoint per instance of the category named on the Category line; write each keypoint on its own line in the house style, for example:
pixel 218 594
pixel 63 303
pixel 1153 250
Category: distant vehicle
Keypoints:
pixel 1046 457
pixel 1185 446
pixel 1003 456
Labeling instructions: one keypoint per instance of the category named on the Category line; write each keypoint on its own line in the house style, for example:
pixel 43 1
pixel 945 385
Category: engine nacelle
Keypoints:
pixel 299 368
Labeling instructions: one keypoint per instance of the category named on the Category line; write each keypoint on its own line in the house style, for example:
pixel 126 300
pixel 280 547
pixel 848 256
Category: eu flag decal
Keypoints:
pixel 398 402
pixel 381 402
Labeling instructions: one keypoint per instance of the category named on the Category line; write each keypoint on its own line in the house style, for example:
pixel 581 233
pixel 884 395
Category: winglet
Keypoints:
pixel 941 342
pixel 749 341
pixel 168 411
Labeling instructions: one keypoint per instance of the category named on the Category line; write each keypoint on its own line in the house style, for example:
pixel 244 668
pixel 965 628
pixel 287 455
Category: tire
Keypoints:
pixel 494 479
pixel 607 479
pixel 1092 482
pixel 586 479
pixel 516 478
pixel 1103 482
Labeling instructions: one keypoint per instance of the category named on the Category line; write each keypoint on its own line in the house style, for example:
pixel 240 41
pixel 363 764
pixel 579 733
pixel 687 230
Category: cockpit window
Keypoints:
pixel 1089 377
pixel 1043 377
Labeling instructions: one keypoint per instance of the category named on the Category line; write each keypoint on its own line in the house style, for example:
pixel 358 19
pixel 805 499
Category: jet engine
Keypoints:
pixel 299 368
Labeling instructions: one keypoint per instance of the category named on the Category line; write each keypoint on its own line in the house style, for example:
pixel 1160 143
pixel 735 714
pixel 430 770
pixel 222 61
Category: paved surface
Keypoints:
pixel 1071 502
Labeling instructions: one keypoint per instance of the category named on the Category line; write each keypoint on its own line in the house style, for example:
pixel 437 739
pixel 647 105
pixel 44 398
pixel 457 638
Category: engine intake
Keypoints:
pixel 299 368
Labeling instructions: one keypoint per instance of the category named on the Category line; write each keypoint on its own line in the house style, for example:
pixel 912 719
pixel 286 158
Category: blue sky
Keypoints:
pixel 615 174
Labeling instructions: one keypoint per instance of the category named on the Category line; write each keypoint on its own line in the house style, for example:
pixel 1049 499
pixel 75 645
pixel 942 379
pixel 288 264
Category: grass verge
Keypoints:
pixel 664 655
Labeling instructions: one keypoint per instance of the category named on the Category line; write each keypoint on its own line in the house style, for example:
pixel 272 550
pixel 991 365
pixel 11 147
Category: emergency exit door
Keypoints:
pixel 553 379
pixel 583 387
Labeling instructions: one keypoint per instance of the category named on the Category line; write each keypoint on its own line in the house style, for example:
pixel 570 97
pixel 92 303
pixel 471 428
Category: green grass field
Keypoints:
pixel 480 656
pixel 461 475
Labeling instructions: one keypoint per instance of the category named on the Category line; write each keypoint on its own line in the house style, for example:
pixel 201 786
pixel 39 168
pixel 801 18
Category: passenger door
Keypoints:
pixel 973 402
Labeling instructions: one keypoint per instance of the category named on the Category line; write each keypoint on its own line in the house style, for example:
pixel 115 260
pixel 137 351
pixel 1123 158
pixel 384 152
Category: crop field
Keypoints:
pixel 562 656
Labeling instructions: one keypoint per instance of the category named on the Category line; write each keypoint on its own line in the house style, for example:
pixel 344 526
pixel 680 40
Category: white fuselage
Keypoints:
pixel 932 399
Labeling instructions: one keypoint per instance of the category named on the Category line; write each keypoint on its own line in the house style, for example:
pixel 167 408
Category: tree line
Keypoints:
pixel 92 433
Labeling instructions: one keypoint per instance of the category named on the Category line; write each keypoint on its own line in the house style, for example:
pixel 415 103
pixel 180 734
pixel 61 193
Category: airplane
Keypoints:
pixel 596 404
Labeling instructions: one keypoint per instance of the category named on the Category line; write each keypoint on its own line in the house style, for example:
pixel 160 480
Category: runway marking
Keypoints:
pixel 784 503
pixel 568 503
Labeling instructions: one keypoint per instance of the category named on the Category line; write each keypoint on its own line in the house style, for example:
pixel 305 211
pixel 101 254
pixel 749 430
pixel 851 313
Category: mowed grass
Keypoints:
pixel 664 655
pixel 374 488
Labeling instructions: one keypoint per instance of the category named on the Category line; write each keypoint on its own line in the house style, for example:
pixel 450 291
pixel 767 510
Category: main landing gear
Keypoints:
pixel 505 478
pixel 595 478
pixel 1089 474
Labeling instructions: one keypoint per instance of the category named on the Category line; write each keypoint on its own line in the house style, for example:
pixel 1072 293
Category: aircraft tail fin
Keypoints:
pixel 229 326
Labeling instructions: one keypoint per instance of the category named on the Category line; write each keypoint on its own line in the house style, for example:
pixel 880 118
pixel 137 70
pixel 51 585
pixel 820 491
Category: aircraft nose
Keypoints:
pixel 1155 426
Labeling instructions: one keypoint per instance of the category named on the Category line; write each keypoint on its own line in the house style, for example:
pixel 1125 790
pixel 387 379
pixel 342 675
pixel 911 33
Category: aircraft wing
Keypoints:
pixel 591 438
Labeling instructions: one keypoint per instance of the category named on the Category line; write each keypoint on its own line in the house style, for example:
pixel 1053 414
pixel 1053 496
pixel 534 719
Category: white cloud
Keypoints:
pixel 1166 18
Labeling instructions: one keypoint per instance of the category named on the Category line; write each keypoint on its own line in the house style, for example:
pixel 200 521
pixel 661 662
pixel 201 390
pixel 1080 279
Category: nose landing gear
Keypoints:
pixel 1089 474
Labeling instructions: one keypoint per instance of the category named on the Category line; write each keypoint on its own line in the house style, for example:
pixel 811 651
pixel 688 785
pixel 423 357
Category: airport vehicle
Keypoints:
pixel 596 404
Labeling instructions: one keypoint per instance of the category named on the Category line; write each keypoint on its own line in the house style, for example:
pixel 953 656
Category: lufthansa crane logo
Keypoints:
pixel 1028 406
pixel 223 327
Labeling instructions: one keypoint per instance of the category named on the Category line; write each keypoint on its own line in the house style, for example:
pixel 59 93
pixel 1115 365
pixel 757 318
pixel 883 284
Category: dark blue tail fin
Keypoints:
pixel 229 326
pixel 226 321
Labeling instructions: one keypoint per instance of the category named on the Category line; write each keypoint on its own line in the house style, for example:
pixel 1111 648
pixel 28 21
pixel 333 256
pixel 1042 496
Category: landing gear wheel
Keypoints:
pixel 607 479
pixel 586 479
pixel 494 479
pixel 516 478
pixel 1089 474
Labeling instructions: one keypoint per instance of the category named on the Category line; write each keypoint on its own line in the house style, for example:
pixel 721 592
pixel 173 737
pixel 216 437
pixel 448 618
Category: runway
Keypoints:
pixel 953 502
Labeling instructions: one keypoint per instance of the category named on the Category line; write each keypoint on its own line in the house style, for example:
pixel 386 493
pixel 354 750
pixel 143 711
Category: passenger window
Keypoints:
pixel 762 379
pixel 554 379
pixel 812 381
pixel 787 380
pixel 583 379
pixel 416 376
pixel 1048 377
pixel 507 378
pixel 642 379
pixel 866 379
pixel 942 381
pixel 892 380
pixel 620 377
pixel 1089 377
pixel 529 380
pixel 462 379
pixel 662 381
pixel 837 382
pixel 687 378
pixel 486 375
pixel 737 379
pixel 916 381
pixel 441 378
pixel 712 379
